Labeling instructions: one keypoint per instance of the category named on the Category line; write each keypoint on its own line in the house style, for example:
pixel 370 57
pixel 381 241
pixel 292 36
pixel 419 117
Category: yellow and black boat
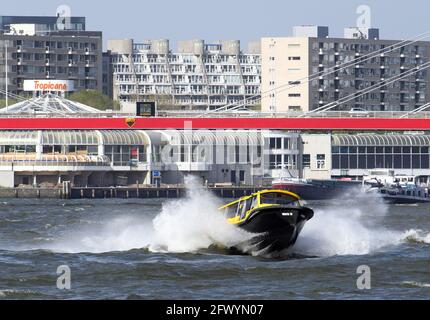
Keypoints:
pixel 275 216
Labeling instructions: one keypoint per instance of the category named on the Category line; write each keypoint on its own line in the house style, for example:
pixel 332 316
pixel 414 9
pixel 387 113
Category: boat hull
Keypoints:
pixel 276 228
pixel 318 189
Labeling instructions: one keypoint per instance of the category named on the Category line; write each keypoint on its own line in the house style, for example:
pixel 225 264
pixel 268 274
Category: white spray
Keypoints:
pixel 194 223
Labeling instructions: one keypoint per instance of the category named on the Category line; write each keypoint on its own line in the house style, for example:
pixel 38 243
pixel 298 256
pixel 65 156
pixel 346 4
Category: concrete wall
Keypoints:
pixel 230 47
pixel 7 179
pixel 191 46
pixel 315 144
pixel 279 67
pixel 120 46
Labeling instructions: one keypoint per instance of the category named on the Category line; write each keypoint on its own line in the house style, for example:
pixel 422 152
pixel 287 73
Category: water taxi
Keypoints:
pixel 275 216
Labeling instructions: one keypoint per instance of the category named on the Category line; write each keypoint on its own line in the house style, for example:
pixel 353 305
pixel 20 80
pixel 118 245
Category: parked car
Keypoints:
pixel 359 112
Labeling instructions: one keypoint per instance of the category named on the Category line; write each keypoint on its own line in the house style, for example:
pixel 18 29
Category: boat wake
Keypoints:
pixel 194 224
pixel 352 227
pixel 190 224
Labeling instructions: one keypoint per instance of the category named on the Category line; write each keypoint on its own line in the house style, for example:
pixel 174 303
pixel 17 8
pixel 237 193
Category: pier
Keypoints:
pixel 67 192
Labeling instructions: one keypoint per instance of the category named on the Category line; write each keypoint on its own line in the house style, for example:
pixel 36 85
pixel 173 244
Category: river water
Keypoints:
pixel 173 249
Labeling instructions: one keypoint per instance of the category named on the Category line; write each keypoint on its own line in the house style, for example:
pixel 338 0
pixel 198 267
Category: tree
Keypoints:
pixel 95 99
pixel 10 102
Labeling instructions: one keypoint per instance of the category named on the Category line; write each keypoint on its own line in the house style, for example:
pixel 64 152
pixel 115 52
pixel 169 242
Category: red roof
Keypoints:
pixel 217 123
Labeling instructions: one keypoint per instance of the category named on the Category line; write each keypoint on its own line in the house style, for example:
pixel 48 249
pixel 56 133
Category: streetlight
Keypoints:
pixel 6 75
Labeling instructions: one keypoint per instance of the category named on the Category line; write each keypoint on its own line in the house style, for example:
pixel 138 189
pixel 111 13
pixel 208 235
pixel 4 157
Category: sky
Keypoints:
pixel 245 20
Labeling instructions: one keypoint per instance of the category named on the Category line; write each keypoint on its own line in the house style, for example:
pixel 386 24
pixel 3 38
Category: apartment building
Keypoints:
pixel 294 71
pixel 60 56
pixel 196 76
pixel 33 52
pixel 44 23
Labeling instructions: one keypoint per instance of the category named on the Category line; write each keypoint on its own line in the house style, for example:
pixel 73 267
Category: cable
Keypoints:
pixel 352 96
pixel 415 111
pixel 334 69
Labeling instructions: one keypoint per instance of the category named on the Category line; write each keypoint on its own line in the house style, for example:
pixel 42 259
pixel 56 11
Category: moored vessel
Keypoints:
pixel 316 189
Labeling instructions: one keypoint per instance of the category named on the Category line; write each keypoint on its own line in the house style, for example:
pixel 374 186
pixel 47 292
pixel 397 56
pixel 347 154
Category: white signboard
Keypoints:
pixel 49 85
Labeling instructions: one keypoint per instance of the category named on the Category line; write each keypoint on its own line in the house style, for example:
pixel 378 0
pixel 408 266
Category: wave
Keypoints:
pixel 416 236
pixel 416 284
pixel 194 224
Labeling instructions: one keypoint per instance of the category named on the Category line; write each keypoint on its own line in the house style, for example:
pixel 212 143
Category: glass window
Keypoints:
pixel 388 149
pixel 353 162
pixel 415 149
pixel 425 161
pixel 278 198
pixel 424 149
pixel 343 149
pixel 371 162
pixel 275 143
pixel 344 162
pixel 254 202
pixel 361 149
pixel 335 161
pixel 397 161
pixel 352 149
pixel 320 161
pixel 230 211
pixel 388 162
pixel 370 149
pixel 416 161
pixel 362 162
pixel 406 161
pixel 335 149
pixel 406 149
pixel 380 150
pixel 397 150
pixel 306 162
pixel 379 163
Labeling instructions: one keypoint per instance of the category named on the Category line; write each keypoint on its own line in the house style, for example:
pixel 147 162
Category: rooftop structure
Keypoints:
pixel 307 72
pixel 198 75
pixel 44 23
pixel 48 103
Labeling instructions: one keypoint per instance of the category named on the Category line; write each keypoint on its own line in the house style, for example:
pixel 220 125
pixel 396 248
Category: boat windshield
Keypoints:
pixel 279 198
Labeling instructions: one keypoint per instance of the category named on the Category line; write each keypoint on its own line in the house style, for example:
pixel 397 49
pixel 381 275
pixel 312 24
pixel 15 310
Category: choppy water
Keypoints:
pixel 158 250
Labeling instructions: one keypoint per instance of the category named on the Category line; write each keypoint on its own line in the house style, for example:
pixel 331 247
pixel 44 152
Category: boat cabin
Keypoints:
pixel 240 209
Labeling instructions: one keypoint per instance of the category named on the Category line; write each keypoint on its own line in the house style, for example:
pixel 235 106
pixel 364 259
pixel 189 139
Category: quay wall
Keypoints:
pixel 118 192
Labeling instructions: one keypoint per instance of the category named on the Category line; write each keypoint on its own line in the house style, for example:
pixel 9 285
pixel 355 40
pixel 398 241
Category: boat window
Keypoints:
pixel 246 205
pixel 278 198
pixel 254 202
pixel 230 211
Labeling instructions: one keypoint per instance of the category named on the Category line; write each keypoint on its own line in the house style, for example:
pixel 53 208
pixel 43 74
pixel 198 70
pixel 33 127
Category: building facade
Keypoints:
pixel 60 56
pixel 196 76
pixel 288 63
pixel 43 23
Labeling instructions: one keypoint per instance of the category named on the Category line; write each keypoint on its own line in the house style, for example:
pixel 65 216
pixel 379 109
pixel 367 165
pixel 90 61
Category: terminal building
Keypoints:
pixel 130 157
pixel 108 157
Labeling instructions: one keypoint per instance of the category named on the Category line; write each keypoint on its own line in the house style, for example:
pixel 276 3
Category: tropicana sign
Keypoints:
pixel 49 85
